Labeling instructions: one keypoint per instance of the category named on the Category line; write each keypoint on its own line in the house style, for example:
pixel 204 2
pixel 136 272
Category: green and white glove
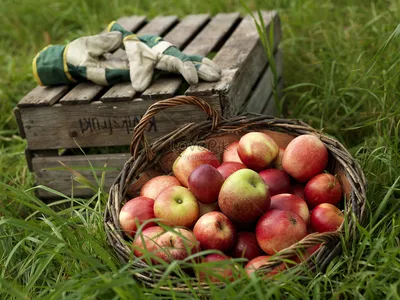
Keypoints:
pixel 146 53
pixel 82 59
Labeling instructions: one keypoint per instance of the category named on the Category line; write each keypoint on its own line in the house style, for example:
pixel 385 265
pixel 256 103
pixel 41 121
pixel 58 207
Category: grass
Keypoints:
pixel 341 73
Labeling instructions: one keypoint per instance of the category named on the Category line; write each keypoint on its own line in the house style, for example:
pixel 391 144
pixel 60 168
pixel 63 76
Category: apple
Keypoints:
pixel 205 182
pixel 305 157
pixel 154 186
pixel 323 188
pixel 257 150
pixel 298 190
pixel 135 212
pixel 259 261
pixel 277 163
pixel 231 154
pixel 229 167
pixel 176 206
pixel 146 240
pixel 306 253
pixel 278 181
pixel 326 217
pixel 206 208
pixel 279 229
pixel 190 159
pixel 224 271
pixel 246 246
pixel 176 244
pixel 214 230
pixel 290 202
pixel 244 196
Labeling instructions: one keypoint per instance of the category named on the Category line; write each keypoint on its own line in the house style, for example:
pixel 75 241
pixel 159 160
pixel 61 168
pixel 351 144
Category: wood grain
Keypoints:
pixel 124 91
pixel 215 31
pixel 43 96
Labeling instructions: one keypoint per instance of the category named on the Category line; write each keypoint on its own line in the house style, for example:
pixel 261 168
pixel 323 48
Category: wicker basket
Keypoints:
pixel 150 160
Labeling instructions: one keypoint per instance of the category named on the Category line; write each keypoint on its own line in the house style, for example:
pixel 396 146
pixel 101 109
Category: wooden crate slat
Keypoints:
pixel 49 172
pixel 43 96
pixel 263 90
pixel 202 44
pixel 242 58
pixel 124 91
pixel 85 92
pixel 100 124
pixel 270 107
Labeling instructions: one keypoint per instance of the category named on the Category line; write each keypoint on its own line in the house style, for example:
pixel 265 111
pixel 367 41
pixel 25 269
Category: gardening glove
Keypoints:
pixel 82 59
pixel 148 52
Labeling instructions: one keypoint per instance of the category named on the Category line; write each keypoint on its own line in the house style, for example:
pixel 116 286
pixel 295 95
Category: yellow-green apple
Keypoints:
pixel 259 261
pixel 205 182
pixel 257 150
pixel 277 163
pixel 206 208
pixel 290 202
pixel 176 244
pixel 229 167
pixel 323 188
pixel 156 185
pixel 134 213
pixel 278 181
pixel 244 196
pixel 176 206
pixel 298 190
pixel 246 246
pixel 217 272
pixel 145 241
pixel 214 230
pixel 326 217
pixel 190 159
pixel 278 229
pixel 231 154
pixel 305 157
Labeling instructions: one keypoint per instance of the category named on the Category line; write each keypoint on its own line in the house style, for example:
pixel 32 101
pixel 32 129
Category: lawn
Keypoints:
pixel 341 68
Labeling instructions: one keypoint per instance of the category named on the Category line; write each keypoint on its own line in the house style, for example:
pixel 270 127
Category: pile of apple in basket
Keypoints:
pixel 260 200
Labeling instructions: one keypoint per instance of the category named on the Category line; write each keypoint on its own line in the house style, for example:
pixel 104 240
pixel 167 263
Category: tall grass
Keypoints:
pixel 341 63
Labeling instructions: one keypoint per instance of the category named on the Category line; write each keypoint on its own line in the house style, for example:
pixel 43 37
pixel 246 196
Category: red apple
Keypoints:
pixel 257 150
pixel 303 255
pixel 231 154
pixel 146 240
pixel 277 163
pixel 305 157
pixel 257 262
pixel 190 159
pixel 228 168
pixel 246 246
pixel 244 196
pixel 205 182
pixel 289 202
pixel 176 206
pixel 206 208
pixel 136 211
pixel 176 244
pixel 279 229
pixel 323 188
pixel 214 230
pixel 326 217
pixel 278 181
pixel 154 186
pixel 222 272
pixel 298 190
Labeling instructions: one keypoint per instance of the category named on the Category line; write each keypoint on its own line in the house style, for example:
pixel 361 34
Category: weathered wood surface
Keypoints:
pixel 51 173
pixel 242 59
pixel 124 91
pixel 270 107
pixel 261 93
pixel 101 124
pixel 85 92
pixel 43 96
pixel 214 32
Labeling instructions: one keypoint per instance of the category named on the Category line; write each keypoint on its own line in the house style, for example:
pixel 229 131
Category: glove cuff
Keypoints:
pixel 50 66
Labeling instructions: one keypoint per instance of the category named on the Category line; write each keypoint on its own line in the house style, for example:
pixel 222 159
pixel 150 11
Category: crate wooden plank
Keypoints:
pixel 85 92
pixel 202 44
pixel 100 124
pixel 270 107
pixel 263 90
pixel 124 91
pixel 18 119
pixel 43 96
pixel 242 59
pixel 50 172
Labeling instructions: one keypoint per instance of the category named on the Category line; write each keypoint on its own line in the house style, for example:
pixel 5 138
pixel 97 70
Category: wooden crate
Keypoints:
pixel 57 120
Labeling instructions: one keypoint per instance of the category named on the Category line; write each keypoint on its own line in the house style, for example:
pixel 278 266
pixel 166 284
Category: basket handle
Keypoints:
pixel 138 132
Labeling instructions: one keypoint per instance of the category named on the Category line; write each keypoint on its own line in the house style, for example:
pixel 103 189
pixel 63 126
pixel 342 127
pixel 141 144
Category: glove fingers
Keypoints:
pixel 103 43
pixel 211 64
pixel 207 73
pixel 172 64
pixel 113 64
